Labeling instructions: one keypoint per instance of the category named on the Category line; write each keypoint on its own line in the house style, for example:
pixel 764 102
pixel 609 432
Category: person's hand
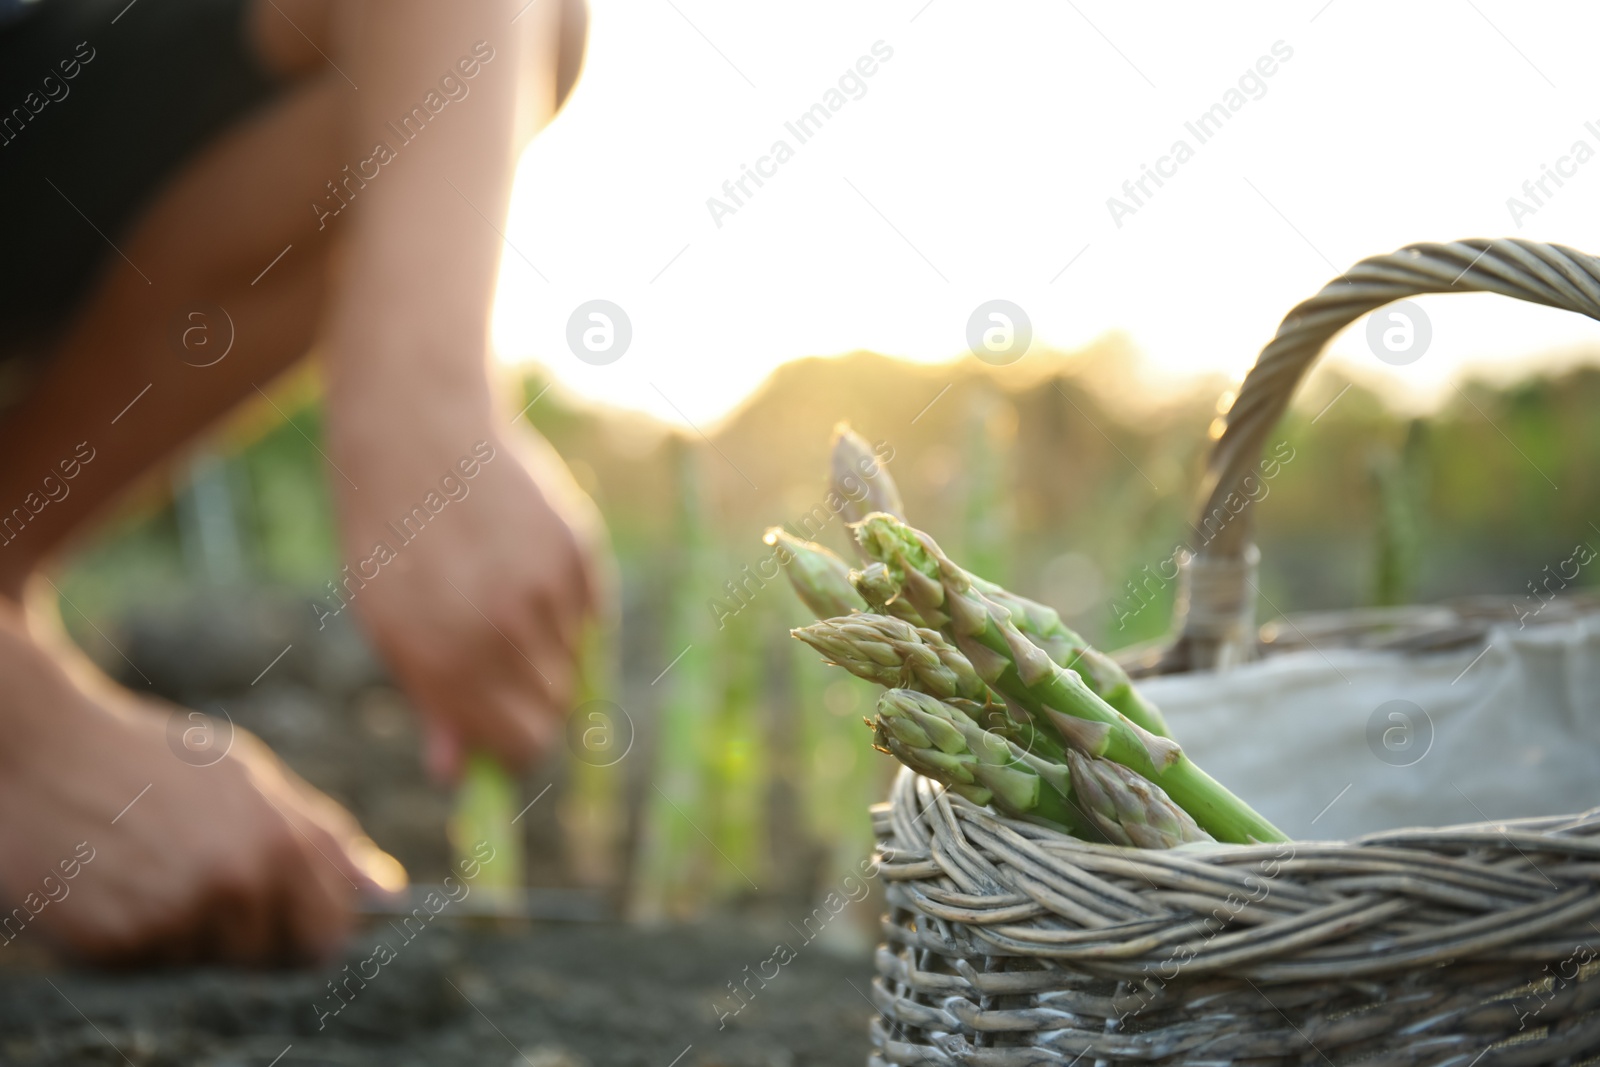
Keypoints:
pixel 124 852
pixel 479 612
pixel 481 604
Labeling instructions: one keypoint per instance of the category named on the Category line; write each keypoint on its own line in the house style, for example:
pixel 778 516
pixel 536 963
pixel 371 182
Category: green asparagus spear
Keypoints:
pixel 910 743
pixel 882 595
pixel 1019 669
pixel 931 763
pixel 938 734
pixel 1127 808
pixel 962 741
pixel 1040 622
pixel 895 654
pixel 1091 799
pixel 860 477
pixel 1043 626
pixel 821 578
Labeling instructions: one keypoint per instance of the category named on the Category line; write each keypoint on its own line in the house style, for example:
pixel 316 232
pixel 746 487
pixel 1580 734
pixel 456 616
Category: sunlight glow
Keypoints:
pixel 977 160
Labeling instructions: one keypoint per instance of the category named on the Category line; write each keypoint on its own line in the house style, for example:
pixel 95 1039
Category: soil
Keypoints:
pixel 557 994
pixel 552 996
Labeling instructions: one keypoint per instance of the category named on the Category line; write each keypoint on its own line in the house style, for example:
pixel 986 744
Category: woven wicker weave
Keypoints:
pixel 1012 945
pixel 1475 946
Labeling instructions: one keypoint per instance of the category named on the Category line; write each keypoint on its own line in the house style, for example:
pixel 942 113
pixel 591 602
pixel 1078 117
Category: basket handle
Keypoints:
pixel 1215 612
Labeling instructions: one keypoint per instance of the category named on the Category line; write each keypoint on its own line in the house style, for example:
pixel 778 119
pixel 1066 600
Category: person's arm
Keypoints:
pixel 410 320
pixel 476 602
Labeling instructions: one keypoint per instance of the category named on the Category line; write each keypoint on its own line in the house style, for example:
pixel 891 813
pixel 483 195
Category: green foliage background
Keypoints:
pixel 756 773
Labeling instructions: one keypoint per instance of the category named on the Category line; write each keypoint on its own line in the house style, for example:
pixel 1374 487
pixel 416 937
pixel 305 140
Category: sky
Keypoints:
pixel 976 163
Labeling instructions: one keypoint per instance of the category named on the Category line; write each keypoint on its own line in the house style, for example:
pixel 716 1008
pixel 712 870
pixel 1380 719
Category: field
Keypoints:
pixel 727 794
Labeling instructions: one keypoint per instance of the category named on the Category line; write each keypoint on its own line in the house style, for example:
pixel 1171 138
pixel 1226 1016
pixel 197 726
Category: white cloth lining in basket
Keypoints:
pixel 1515 733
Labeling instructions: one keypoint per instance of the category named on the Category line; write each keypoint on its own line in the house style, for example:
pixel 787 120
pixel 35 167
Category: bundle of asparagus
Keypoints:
pixel 991 694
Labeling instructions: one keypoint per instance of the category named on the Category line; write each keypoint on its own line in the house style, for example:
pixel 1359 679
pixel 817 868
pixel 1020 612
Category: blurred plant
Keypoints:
pixel 600 738
pixel 208 518
pixel 486 804
pixel 988 517
pixel 669 876
pixel 737 756
pixel 1401 485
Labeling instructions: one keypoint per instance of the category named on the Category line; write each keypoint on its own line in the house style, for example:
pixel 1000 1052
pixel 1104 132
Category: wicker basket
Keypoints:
pixel 1477 945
